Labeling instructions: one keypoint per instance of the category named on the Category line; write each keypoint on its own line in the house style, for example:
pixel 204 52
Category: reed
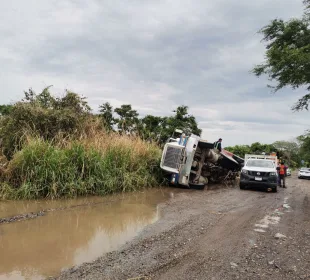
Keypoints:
pixel 95 163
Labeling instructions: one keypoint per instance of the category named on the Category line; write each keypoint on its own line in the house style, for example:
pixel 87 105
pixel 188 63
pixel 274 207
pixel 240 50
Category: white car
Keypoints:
pixel 304 173
pixel 288 172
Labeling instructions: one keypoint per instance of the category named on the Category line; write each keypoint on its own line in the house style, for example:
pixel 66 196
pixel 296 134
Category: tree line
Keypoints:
pixel 49 116
pixel 294 153
pixel 149 127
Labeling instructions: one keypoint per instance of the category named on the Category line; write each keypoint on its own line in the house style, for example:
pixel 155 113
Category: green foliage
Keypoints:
pixel 151 127
pixel 42 115
pixel 239 150
pixel 42 169
pixel 5 110
pixel 290 152
pixel 288 55
pixel 304 141
pixel 55 147
pixel 255 148
pixel 106 114
pixel 128 119
pixel 181 120
pixel 184 121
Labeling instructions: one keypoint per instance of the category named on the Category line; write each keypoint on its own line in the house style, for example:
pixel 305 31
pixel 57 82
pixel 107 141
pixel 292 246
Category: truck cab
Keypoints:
pixel 192 162
pixel 259 171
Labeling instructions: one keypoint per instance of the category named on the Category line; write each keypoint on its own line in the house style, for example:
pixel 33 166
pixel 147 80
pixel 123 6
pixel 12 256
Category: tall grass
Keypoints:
pixel 95 163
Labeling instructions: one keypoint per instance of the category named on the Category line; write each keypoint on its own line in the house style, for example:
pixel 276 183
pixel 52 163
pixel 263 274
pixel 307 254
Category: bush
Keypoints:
pixel 45 116
pixel 54 147
pixel 90 166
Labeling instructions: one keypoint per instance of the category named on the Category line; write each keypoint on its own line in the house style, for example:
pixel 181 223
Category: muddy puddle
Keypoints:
pixel 42 247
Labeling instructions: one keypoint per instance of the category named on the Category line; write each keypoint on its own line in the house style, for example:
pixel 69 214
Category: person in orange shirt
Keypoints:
pixel 282 173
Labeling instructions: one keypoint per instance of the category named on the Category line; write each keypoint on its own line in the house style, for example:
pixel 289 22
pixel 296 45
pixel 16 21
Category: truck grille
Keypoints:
pixel 262 174
pixel 173 157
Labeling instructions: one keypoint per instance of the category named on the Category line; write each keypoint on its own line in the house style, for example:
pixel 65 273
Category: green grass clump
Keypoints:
pixel 96 165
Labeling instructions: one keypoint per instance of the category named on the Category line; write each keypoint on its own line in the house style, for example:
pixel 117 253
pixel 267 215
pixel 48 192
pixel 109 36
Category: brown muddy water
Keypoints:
pixel 42 247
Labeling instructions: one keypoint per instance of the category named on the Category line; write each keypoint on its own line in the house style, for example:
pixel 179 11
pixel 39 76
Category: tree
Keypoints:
pixel 150 127
pixel 239 150
pixel 73 102
pixel 288 55
pixel 5 110
pixel 255 148
pixel 128 120
pixel 106 114
pixel 45 116
pixel 290 152
pixel 161 128
pixel 304 141
pixel 183 120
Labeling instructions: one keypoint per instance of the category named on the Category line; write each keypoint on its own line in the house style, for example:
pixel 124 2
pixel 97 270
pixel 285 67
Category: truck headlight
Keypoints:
pixel 273 173
pixel 244 171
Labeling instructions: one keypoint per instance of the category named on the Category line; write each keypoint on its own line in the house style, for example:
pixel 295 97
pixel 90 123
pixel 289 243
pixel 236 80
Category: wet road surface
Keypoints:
pixel 71 232
pixel 222 233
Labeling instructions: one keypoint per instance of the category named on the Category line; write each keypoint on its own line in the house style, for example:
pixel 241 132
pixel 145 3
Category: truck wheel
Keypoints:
pixel 198 186
pixel 275 189
pixel 242 187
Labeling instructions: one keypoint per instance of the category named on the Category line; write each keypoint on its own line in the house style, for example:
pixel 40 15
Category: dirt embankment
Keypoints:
pixel 217 234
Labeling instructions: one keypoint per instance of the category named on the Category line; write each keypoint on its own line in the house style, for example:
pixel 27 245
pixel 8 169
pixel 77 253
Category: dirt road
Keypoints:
pixel 218 234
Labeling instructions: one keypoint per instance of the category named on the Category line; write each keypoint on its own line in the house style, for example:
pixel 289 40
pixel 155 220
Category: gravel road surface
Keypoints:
pixel 220 233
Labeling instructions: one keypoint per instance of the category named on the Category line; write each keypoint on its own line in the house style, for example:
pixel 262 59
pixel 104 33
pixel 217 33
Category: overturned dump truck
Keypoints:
pixel 192 162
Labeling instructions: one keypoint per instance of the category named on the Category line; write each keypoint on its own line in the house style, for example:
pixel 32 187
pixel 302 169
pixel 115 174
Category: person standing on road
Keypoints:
pixel 218 145
pixel 282 173
pixel 278 171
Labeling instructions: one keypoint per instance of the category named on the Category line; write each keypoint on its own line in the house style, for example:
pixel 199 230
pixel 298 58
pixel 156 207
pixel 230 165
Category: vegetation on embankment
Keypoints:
pixel 99 165
pixel 52 147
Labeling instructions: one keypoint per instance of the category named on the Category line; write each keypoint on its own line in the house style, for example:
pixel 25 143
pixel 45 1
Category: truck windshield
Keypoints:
pixel 260 163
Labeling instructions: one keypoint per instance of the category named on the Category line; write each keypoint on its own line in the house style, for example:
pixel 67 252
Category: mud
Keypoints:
pixel 220 234
pixel 71 232
pixel 22 217
pixel 32 215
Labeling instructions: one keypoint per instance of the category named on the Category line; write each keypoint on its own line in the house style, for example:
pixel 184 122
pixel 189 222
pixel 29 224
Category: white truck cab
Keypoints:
pixel 192 162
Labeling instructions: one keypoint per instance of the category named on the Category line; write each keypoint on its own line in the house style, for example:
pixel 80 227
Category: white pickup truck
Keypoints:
pixel 259 171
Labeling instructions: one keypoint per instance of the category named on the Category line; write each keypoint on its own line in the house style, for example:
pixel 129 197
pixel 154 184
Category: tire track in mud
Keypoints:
pixel 41 213
pixel 22 217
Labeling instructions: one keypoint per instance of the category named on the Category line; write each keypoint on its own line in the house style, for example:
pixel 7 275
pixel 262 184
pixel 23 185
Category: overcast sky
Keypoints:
pixel 154 55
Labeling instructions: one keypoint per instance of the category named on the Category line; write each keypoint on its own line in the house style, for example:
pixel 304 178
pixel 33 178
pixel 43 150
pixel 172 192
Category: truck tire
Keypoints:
pixel 275 189
pixel 198 186
pixel 242 186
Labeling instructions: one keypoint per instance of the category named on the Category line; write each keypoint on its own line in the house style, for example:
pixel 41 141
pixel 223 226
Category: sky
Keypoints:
pixel 154 55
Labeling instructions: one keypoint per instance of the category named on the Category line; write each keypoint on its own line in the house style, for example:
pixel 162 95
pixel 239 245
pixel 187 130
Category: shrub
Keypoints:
pixel 99 165
pixel 45 116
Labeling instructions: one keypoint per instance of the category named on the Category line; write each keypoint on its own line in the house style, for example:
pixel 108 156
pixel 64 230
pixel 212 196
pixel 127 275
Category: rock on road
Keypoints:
pixel 223 233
